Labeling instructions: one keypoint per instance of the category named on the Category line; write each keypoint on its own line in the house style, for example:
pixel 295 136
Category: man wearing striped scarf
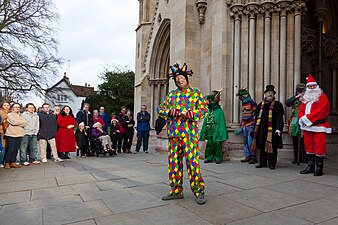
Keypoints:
pixel 268 128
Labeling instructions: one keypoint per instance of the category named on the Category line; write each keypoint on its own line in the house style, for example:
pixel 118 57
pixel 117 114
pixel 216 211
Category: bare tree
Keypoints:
pixel 27 44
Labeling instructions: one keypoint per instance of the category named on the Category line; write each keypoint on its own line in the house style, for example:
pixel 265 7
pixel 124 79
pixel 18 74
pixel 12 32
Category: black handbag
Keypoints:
pixel 159 124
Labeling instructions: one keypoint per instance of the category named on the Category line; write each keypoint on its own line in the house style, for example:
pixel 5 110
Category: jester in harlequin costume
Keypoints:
pixel 313 113
pixel 214 129
pixel 249 107
pixel 182 109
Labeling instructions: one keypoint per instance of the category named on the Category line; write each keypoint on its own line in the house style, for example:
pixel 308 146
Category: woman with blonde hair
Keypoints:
pixel 15 132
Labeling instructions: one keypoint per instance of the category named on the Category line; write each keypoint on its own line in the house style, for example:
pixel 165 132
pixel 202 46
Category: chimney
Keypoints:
pixel 86 84
pixel 65 74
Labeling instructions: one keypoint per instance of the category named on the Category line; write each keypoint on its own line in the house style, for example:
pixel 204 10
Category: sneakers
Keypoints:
pixel 169 197
pixel 200 199
pixel 58 160
pixel 2 165
pixel 135 152
pixel 26 163
pixel 145 151
pixel 44 160
pixel 36 162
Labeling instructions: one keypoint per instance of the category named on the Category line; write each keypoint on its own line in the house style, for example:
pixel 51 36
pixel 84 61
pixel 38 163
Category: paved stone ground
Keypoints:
pixel 127 189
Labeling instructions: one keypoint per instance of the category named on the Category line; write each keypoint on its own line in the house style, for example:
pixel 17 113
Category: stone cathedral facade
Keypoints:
pixel 236 43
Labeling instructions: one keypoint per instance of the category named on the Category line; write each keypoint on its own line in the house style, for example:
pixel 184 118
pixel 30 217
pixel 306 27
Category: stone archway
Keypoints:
pixel 159 66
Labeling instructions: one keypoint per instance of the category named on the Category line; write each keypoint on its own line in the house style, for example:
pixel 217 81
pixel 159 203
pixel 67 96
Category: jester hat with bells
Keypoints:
pixel 215 96
pixel 177 70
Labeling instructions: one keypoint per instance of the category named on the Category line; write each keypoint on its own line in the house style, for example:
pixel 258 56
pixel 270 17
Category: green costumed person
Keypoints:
pixel 214 129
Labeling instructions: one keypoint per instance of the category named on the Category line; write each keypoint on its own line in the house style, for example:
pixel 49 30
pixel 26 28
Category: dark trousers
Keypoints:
pixel 122 142
pixel 142 136
pixel 83 151
pixel 129 139
pixel 298 147
pixel 13 147
pixel 267 158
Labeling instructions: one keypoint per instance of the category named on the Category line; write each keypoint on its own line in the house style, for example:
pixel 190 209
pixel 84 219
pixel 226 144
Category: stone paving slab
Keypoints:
pixel 330 222
pixel 75 179
pixel 219 210
pixel 304 189
pixel 15 197
pixel 272 218
pixel 164 215
pixel 21 218
pixel 41 204
pixel 75 212
pixel 27 185
pixel 73 190
pixel 135 202
pixel 87 222
pixel 264 200
pixel 250 182
pixel 316 211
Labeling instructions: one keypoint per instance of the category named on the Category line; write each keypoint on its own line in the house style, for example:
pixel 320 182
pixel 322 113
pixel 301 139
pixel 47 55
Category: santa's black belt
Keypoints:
pixel 319 122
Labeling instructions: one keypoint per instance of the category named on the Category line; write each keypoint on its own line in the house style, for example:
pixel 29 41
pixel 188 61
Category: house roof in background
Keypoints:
pixel 80 91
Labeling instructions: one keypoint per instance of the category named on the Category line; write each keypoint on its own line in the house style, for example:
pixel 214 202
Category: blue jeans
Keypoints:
pixel 248 140
pixel 31 142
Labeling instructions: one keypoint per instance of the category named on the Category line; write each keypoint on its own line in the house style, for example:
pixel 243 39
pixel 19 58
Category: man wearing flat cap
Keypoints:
pixel 182 109
pixel 268 128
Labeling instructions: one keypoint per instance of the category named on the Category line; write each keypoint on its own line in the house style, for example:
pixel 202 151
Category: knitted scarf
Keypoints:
pixel 268 145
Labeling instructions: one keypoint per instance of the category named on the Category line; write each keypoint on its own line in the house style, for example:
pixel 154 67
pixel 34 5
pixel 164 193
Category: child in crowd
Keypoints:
pixel 81 140
pixel 114 133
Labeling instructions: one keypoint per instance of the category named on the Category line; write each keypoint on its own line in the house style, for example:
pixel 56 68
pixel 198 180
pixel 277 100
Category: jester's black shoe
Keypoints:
pixel 169 197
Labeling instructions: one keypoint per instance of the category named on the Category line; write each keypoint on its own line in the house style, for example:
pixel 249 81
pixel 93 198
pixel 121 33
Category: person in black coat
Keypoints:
pixel 81 140
pixel 85 116
pixel 130 122
pixel 268 128
pixel 114 133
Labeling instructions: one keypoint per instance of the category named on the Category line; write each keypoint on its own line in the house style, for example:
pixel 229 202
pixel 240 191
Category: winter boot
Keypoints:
pixel 320 165
pixel 310 165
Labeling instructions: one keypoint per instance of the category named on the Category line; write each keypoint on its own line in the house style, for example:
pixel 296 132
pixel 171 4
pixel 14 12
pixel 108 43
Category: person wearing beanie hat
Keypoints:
pixel 269 125
pixel 247 126
pixel 214 129
pixel 293 125
pixel 313 113
pixel 182 109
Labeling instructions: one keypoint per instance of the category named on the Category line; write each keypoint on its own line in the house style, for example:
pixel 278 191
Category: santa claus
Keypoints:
pixel 313 113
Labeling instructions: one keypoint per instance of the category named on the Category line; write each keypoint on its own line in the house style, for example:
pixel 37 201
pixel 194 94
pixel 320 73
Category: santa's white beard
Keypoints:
pixel 312 95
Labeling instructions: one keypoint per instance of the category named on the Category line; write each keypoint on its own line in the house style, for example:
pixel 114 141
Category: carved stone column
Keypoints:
pixel 298 6
pixel 320 11
pixel 236 13
pixel 201 8
pixel 283 8
pixel 253 11
pixel 267 10
pixel 334 88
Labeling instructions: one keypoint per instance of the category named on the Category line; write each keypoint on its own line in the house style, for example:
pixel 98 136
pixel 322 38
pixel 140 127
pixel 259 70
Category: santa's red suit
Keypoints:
pixel 313 120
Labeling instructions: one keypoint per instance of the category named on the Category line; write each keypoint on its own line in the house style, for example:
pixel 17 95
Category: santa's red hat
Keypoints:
pixel 310 80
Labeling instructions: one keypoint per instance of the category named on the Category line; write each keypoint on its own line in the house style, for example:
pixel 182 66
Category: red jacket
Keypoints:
pixel 98 119
pixel 65 138
pixel 315 112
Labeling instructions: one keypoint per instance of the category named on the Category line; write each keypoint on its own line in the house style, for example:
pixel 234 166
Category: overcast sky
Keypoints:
pixel 94 34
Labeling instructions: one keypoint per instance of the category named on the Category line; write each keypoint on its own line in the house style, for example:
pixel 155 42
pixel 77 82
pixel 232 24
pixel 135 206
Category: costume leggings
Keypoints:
pixel 248 139
pixel 213 151
pixel 188 148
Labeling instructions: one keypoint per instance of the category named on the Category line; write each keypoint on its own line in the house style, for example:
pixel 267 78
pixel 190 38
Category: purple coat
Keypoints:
pixel 96 133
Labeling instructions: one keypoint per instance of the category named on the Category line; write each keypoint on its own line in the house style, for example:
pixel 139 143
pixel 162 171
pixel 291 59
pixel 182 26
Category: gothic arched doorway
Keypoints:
pixel 159 66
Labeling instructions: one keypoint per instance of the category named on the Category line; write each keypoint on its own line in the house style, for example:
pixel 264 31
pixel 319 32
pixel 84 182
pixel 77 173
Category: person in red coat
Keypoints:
pixel 96 118
pixel 65 137
pixel 313 113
